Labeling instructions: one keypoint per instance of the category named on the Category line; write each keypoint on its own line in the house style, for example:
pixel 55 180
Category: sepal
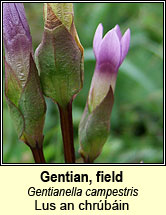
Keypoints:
pixel 94 128
pixel 27 105
pixel 59 60
pixel 33 107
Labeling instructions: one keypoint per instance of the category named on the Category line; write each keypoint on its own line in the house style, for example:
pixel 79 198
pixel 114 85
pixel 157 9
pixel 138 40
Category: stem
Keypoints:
pixel 38 154
pixel 67 132
pixel 87 160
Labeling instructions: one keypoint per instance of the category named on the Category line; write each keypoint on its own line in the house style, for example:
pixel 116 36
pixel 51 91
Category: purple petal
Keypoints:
pixel 110 50
pixel 17 40
pixel 23 20
pixel 97 39
pixel 125 43
pixel 117 29
pixel 14 21
pixel 15 31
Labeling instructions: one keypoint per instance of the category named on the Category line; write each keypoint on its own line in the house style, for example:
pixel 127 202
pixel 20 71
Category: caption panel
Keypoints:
pixel 87 190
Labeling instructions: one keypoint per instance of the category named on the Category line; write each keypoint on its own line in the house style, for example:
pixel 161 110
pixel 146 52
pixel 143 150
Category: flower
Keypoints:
pixel 22 85
pixel 59 57
pixel 110 52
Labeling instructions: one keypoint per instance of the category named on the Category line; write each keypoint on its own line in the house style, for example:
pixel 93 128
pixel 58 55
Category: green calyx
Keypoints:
pixel 94 128
pixel 59 59
pixel 27 105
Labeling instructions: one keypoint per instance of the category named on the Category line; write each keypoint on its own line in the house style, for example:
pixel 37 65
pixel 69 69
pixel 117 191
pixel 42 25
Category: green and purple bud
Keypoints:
pixel 59 57
pixel 22 84
pixel 110 52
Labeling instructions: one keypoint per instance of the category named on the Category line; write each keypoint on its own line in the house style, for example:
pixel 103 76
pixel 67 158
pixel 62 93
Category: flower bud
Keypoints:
pixel 22 85
pixel 60 13
pixel 110 52
pixel 59 57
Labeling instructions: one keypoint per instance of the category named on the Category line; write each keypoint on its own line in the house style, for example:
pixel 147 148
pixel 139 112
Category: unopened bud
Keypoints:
pixel 22 85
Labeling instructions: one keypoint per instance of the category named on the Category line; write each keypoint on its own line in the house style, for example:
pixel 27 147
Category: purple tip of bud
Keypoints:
pixel 17 40
pixel 14 22
pixel 97 39
pixel 125 43
pixel 112 49
pixel 118 31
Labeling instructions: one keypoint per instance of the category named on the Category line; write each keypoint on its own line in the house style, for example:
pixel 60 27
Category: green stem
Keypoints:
pixel 67 132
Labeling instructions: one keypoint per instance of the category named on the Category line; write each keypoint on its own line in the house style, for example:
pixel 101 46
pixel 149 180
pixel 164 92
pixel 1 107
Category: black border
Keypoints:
pixel 96 164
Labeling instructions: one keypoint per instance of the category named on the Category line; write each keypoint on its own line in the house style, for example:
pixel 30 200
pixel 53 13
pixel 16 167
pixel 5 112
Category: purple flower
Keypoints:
pixel 17 40
pixel 94 127
pixel 110 52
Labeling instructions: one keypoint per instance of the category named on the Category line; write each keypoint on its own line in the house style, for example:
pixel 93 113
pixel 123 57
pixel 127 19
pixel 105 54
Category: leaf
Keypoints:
pixel 134 72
